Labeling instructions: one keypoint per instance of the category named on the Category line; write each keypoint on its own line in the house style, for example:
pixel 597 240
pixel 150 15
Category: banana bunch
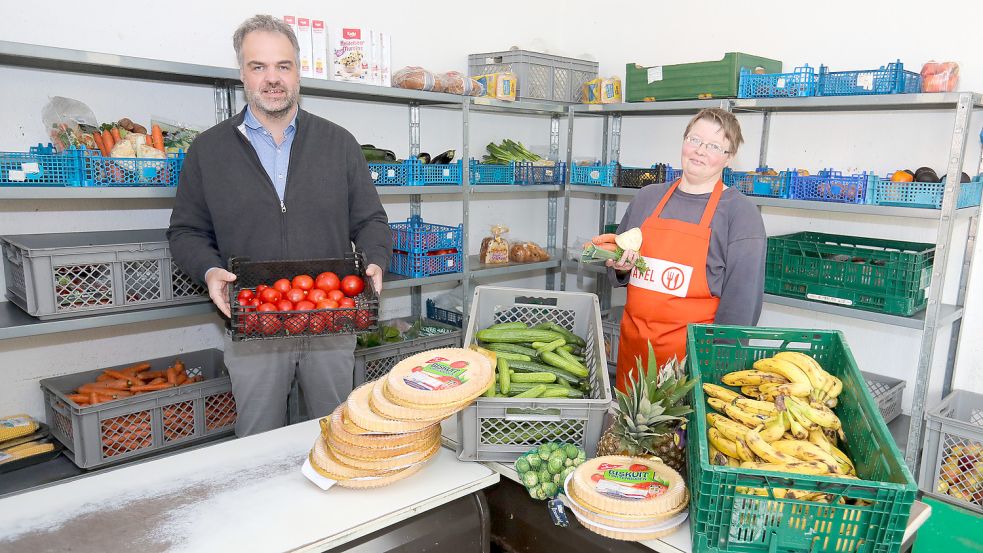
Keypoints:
pixel 781 421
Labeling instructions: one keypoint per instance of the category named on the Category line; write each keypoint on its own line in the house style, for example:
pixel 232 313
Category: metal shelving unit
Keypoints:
pixel 937 316
pixel 15 323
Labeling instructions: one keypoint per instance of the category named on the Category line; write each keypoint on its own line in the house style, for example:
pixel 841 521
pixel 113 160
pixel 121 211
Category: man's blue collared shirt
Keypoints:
pixel 275 158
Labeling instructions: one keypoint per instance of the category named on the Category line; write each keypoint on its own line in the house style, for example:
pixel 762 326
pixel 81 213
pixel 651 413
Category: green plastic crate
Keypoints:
pixel 887 276
pixel 723 520
pixel 689 81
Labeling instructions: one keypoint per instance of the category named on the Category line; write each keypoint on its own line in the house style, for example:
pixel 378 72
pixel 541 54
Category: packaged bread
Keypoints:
pixel 495 248
pixel 527 252
pixel 416 78
pixel 454 82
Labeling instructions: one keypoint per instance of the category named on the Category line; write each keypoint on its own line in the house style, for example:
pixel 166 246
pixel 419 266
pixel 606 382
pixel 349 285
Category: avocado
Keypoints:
pixel 963 177
pixel 926 174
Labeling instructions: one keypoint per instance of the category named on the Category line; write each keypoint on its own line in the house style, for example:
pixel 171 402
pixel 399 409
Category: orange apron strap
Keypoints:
pixel 665 199
pixel 718 190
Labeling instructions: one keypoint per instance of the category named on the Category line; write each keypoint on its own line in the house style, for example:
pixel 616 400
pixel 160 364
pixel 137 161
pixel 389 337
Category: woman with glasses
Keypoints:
pixel 703 243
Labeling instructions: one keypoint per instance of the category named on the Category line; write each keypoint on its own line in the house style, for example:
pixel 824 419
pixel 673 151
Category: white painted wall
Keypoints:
pixel 841 34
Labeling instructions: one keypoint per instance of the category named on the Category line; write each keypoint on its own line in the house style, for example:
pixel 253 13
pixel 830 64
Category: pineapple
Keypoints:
pixel 651 418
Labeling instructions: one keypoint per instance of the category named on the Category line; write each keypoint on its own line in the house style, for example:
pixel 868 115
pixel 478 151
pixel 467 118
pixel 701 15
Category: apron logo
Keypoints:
pixel 663 276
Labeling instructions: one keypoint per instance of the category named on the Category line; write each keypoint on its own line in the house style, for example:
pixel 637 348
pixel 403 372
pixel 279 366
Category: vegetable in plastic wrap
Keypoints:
pixel 177 136
pixel 70 123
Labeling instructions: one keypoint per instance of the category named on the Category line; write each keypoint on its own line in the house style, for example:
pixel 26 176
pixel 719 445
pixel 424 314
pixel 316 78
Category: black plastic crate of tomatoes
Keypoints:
pixel 248 323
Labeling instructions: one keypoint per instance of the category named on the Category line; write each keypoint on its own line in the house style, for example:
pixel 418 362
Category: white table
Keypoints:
pixel 240 495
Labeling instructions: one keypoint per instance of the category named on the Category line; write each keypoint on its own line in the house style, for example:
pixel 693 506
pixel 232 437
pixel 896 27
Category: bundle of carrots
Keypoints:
pixel 110 135
pixel 133 380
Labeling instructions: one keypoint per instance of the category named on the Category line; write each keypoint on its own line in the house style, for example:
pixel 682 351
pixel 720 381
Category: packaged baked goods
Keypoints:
pixel 416 78
pixel 527 252
pixel 495 248
pixel 454 82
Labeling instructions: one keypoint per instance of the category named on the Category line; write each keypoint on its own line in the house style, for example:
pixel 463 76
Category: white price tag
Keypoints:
pixel 375 175
pixel 829 299
pixel 16 176
pixel 30 168
pixel 780 83
pixel 450 263
pixel 866 81
pixel 391 173
pixel 312 475
pixel 447 172
pixel 655 74
pixel 15 422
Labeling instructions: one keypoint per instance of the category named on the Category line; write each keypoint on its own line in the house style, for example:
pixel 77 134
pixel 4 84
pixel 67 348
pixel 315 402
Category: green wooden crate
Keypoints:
pixel 690 81
pixel 723 520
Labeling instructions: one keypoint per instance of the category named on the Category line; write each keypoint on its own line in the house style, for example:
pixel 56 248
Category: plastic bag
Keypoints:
pixel 495 248
pixel 940 76
pixel 454 82
pixel 521 251
pixel 70 123
pixel 415 78
pixel 177 136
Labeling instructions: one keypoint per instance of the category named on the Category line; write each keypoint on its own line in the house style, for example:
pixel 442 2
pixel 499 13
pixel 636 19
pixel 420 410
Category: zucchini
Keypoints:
pixel 542 346
pixel 533 392
pixel 512 356
pixel 517 336
pixel 570 337
pixel 512 348
pixel 508 326
pixel 530 367
pixel 561 363
pixel 504 379
pixel 538 378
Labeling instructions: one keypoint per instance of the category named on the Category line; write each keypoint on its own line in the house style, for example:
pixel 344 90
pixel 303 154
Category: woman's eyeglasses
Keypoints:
pixel 712 148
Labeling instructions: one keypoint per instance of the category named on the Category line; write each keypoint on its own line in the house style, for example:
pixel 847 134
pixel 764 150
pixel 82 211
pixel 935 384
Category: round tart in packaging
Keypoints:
pixel 632 486
pixel 390 463
pixel 339 431
pixel 383 406
pixel 440 376
pixel 359 410
pixel 381 479
pixel 618 522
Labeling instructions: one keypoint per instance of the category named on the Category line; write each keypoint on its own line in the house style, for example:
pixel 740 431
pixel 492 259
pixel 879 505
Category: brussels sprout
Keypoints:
pixel 530 479
pixel 566 472
pixel 554 446
pixel 578 461
pixel 544 475
pixel 558 479
pixel 545 451
pixel 521 465
pixel 549 489
pixel 568 463
pixel 555 465
pixel 535 461
pixel 572 451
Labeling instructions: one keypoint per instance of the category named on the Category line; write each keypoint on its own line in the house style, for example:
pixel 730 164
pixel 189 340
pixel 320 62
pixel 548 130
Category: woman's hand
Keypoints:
pixel 626 263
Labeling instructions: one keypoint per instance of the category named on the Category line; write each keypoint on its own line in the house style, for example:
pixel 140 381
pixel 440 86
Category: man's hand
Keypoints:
pixel 218 280
pixel 375 273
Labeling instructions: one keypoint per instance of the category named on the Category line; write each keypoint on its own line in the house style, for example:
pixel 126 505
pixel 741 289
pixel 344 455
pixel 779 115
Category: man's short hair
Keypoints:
pixel 266 23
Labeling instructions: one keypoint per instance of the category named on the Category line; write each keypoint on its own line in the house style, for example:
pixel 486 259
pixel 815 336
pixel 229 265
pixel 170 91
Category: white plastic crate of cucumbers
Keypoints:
pixel 544 360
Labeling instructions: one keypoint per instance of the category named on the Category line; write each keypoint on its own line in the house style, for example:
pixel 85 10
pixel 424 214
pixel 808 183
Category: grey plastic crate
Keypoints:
pixel 540 76
pixel 887 392
pixel 372 363
pixel 952 456
pixel 486 429
pixel 52 276
pixel 147 423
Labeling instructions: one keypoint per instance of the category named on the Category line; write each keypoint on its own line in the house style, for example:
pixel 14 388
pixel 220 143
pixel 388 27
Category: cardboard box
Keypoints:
pixel 319 49
pixel 385 60
pixel 304 40
pixel 350 53
pixel 375 54
pixel 500 86
pixel 602 91
pixel 291 20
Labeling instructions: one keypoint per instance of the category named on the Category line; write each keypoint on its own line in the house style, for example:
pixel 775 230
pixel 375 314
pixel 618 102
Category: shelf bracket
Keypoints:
pixel 466 207
pixel 225 100
pixel 765 135
pixel 565 232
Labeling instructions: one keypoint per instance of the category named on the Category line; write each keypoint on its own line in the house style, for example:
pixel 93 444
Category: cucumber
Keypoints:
pixel 571 393
pixel 565 364
pixel 533 392
pixel 541 346
pixel 554 392
pixel 512 348
pixel 490 392
pixel 522 366
pixel 508 326
pixel 570 337
pixel 539 378
pixel 504 379
pixel 571 358
pixel 512 356
pixel 517 335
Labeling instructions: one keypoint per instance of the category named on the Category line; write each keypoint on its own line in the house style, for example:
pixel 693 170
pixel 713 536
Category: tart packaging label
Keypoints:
pixel 436 374
pixel 635 482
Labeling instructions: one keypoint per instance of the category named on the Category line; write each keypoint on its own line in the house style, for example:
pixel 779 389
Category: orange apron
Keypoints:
pixel 672 293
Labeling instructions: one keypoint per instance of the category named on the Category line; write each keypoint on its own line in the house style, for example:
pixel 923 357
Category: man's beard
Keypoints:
pixel 255 99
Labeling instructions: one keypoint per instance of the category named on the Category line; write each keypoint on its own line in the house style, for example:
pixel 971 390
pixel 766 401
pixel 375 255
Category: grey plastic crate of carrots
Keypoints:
pixel 544 360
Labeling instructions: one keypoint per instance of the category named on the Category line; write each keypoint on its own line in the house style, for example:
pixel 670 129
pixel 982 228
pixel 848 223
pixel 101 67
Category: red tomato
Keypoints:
pixel 317 295
pixel 304 305
pixel 327 281
pixel 296 324
pixel 346 303
pixel 266 307
pixel 327 304
pixel 250 323
pixel 245 295
pixel 352 285
pixel 268 324
pixel 283 285
pixel 284 305
pixel 295 295
pixel 270 295
pixel 321 322
pixel 304 282
pixel 363 319
pixel 336 295
pixel 260 288
pixel 251 305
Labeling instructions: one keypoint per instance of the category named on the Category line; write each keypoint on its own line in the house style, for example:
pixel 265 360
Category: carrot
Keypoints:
pixel 104 377
pixel 150 375
pixel 150 140
pixel 134 370
pixel 97 138
pixel 93 387
pixel 157 136
pixel 94 398
pixel 152 387
pixel 108 140
pixel 79 398
pixel 182 378
pixel 115 133
pixel 117 384
pixel 158 380
pixel 172 374
pixel 116 374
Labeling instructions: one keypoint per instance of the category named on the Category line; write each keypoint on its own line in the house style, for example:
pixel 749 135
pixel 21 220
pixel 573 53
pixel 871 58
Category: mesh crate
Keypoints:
pixel 639 177
pixel 725 520
pixel 415 235
pixel 246 324
pixel 594 175
pixel 540 76
pixel 41 166
pixel 391 174
pixel 888 276
pixel 374 362
pixel 426 174
pixel 890 79
pixel 447 316
pixel 502 429
pixel 830 186
pixel 887 392
pixel 923 194
pixel 528 173
pixel 116 171
pixel 488 173
pixel 952 456
pixel 135 426
pixel 52 276
pixel 755 183
pixel 424 264
pixel 800 83
pixel 689 81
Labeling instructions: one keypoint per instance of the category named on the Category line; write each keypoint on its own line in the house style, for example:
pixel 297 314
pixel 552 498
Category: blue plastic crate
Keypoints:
pixel 797 84
pixel 420 237
pixel 672 175
pixel 755 184
pixel 444 315
pixel 487 173
pixel 123 171
pixel 892 79
pixel 594 175
pixel 923 194
pixel 427 174
pixel 41 166
pixel 391 174
pixel 830 186
pixel 527 173
pixel 419 265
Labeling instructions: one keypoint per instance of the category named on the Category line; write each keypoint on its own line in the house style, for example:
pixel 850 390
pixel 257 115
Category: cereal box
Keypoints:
pixel 349 56
pixel 385 59
pixel 319 48
pixel 304 41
